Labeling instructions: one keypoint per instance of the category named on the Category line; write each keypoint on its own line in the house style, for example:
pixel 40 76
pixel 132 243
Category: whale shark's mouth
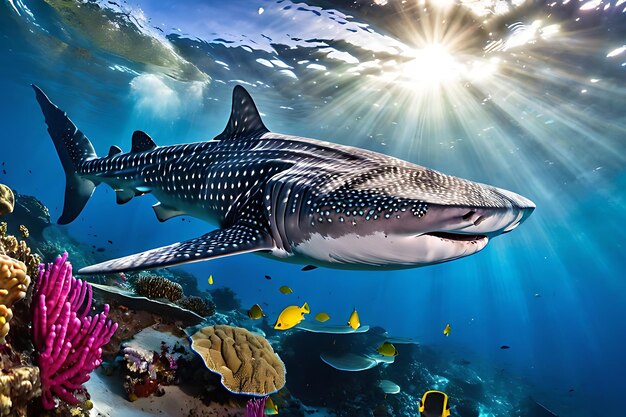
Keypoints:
pixel 458 237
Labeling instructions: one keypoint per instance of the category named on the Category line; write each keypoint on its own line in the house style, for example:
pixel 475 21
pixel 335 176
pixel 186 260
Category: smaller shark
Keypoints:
pixel 292 198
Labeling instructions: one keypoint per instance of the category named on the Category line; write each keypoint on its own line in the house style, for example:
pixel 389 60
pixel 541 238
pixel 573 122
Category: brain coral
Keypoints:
pixel 13 285
pixel 7 200
pixel 246 361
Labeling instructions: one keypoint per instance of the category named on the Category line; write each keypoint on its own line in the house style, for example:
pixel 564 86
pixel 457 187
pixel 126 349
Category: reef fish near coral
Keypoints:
pixel 296 199
pixel 291 316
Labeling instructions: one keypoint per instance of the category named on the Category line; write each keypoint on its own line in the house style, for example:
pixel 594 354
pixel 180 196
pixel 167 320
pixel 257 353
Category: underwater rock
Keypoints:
pixel 389 387
pixel 350 362
pixel 316 384
pixel 18 386
pixel 31 213
pixel 159 308
pixel 225 299
pixel 246 362
pixel 67 340
pixel 14 283
pixel 200 305
pixel 156 287
pixel 316 327
pixel 7 200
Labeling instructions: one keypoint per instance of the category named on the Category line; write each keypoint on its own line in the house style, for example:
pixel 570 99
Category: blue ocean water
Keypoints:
pixel 527 96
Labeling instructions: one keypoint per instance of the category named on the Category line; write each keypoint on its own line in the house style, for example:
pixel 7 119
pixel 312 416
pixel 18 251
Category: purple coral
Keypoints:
pixel 256 407
pixel 68 341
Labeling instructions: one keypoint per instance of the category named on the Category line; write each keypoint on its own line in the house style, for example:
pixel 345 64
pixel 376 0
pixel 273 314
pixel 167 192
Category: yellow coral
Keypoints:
pixel 17 249
pixel 17 387
pixel 246 361
pixel 13 286
pixel 7 200
pixel 24 231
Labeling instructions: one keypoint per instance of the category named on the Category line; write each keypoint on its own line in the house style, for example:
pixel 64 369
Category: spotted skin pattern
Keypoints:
pixel 298 199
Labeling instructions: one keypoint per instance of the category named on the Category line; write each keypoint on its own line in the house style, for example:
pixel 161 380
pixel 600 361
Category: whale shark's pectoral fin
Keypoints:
pixel 164 213
pixel 123 196
pixel 216 244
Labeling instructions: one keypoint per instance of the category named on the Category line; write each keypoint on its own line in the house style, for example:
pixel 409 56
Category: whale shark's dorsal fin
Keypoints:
pixel 245 119
pixel 142 142
pixel 114 150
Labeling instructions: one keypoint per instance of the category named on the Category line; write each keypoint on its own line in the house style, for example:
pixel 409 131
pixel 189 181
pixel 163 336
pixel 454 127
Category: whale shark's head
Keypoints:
pixel 408 216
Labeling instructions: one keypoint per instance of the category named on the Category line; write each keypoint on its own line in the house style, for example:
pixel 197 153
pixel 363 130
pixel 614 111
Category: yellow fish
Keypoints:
pixel 322 317
pixel 210 279
pixel 291 316
pixel 285 290
pixel 446 331
pixel 353 321
pixel 270 409
pixel 387 349
pixel 256 312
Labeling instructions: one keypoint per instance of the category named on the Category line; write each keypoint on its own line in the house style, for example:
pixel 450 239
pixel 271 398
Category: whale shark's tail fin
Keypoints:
pixel 74 149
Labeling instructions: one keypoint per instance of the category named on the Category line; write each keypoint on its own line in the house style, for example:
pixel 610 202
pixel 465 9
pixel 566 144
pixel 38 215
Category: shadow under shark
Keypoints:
pixel 296 199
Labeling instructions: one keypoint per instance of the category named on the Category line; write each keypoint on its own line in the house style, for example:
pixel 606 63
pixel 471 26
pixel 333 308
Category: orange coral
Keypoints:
pixel 13 285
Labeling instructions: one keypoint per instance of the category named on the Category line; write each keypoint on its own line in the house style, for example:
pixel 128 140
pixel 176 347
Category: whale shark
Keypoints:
pixel 291 198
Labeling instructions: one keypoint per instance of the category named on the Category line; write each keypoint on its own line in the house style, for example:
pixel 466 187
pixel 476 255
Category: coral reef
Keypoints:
pixel 68 341
pixel 146 370
pixel 18 386
pixel 24 231
pixel 10 246
pixel 158 287
pixel 13 286
pixel 245 361
pixel 7 200
pixel 256 407
pixel 199 305
pixel 225 299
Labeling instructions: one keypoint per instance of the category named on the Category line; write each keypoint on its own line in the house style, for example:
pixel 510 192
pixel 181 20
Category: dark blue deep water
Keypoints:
pixel 527 96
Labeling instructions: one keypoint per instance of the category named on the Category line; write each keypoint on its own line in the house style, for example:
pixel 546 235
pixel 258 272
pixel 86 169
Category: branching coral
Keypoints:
pixel 158 287
pixel 246 361
pixel 10 246
pixel 68 341
pixel 13 286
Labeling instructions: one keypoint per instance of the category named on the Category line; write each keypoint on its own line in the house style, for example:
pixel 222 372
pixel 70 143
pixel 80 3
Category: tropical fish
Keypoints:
pixel 271 409
pixel 268 277
pixel 505 347
pixel 446 331
pixel 210 279
pixel 353 321
pixel 285 290
pixel 387 349
pixel 271 193
pixel 256 312
pixel 322 317
pixel 291 316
